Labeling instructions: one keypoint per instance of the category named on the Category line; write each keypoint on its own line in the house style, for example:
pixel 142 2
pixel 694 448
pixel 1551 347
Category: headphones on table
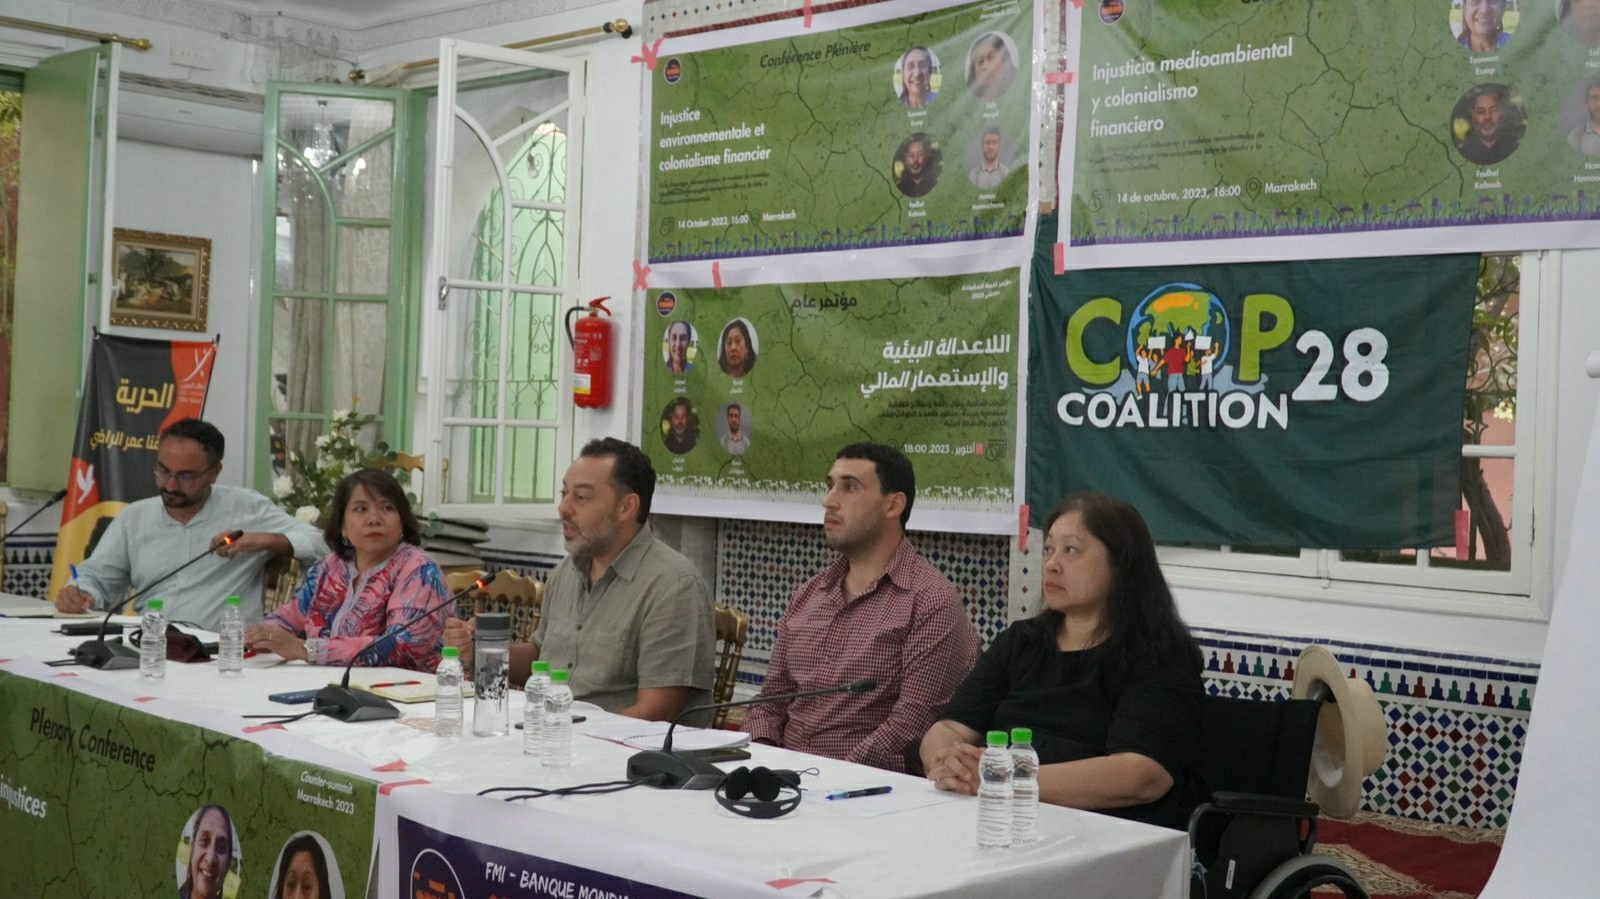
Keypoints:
pixel 759 792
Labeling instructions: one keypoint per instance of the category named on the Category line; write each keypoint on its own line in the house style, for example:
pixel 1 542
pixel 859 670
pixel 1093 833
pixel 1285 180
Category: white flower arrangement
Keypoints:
pixel 307 489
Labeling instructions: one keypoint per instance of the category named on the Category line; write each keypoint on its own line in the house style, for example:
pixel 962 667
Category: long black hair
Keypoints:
pixel 1140 623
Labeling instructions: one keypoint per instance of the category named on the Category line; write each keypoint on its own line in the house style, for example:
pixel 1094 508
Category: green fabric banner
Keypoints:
pixel 99 799
pixel 1314 404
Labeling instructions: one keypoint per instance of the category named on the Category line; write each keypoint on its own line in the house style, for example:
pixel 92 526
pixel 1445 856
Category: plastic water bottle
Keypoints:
pixel 447 696
pixel 994 793
pixel 1024 787
pixel 533 709
pixel 153 640
pixel 230 642
pixel 557 748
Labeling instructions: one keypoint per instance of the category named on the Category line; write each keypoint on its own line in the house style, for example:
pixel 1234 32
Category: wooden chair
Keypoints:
pixel 279 579
pixel 517 595
pixel 732 627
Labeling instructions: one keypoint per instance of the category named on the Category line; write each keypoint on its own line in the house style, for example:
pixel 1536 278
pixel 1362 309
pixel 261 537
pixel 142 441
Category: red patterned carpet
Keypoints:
pixel 1400 858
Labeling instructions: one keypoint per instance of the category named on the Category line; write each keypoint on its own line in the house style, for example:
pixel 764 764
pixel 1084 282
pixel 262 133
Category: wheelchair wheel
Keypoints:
pixel 1298 876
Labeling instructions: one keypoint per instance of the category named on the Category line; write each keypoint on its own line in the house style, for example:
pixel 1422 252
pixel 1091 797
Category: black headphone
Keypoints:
pixel 772 793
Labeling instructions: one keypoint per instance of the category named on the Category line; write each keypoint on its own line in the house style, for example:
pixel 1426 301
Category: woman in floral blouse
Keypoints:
pixel 376 578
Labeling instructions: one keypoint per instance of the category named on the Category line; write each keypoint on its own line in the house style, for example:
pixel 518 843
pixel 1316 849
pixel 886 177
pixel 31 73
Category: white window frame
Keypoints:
pixel 436 424
pixel 1321 575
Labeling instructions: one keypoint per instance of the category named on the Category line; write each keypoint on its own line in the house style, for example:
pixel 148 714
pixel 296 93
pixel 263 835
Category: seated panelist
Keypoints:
pixel 627 615
pixel 1107 676
pixel 376 578
pixel 153 536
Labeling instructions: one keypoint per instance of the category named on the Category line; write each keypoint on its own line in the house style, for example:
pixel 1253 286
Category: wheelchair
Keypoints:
pixel 1253 838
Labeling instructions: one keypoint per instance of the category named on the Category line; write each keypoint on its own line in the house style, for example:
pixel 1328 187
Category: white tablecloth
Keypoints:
pixel 928 850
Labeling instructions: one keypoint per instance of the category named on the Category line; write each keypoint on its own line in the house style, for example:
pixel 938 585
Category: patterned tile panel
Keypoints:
pixel 27 565
pixel 1457 723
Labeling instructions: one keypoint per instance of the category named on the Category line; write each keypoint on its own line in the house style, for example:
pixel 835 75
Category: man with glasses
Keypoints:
pixel 191 512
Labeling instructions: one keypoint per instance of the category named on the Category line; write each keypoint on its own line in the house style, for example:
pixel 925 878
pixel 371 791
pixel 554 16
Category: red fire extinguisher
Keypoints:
pixel 591 355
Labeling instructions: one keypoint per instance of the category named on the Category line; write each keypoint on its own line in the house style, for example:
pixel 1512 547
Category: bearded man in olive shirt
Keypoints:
pixel 626 614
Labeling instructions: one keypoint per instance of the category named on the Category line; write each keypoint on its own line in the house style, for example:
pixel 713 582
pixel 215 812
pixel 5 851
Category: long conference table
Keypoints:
pixel 915 841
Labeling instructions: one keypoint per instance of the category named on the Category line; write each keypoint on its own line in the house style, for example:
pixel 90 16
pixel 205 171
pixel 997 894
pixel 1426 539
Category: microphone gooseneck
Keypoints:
pixel 344 704
pixel 59 496
pixel 97 653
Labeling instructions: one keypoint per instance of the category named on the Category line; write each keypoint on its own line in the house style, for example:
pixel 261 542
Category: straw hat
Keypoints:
pixel 1352 734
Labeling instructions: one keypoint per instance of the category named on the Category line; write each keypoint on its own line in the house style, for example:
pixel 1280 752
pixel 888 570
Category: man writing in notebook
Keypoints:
pixel 879 611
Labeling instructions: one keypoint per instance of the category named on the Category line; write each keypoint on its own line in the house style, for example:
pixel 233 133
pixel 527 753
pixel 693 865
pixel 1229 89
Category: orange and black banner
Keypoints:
pixel 135 388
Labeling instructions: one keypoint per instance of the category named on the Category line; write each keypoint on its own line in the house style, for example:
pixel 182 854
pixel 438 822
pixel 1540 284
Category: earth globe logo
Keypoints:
pixel 1179 312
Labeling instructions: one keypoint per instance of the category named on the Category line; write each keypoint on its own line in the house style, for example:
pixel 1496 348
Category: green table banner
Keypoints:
pixel 749 392
pixel 1314 404
pixel 100 799
pixel 1202 121
pixel 893 133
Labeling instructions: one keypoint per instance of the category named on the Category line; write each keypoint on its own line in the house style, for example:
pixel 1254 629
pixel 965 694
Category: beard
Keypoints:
pixel 589 543
pixel 173 499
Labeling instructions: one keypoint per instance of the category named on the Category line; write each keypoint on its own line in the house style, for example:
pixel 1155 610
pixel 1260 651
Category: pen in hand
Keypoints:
pixel 865 791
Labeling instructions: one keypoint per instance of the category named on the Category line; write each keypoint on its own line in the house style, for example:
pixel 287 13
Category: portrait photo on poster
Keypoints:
pixel 916 165
pixel 679 348
pixel 737 348
pixel 991 65
pixel 680 426
pixel 917 78
pixel 734 428
pixel 208 861
pixel 306 868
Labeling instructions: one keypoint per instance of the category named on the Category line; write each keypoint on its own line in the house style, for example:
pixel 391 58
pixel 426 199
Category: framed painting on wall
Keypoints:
pixel 160 280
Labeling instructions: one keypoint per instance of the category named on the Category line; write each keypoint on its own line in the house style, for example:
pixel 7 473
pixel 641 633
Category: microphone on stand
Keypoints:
pixel 343 703
pixel 59 496
pixel 678 771
pixel 97 653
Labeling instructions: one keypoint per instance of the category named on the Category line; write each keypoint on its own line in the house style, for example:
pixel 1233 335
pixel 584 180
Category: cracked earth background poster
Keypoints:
pixel 1333 129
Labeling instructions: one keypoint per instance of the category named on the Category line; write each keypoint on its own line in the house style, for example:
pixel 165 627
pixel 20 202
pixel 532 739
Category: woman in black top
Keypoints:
pixel 1108 677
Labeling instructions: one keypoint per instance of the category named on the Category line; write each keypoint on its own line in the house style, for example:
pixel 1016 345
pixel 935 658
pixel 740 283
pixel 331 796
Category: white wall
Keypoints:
pixel 198 194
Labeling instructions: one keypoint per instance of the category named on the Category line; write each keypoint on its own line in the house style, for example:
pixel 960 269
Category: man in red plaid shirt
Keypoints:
pixel 879 611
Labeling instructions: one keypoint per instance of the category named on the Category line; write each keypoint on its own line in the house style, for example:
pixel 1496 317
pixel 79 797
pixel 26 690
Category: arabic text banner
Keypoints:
pixel 135 389
pixel 1310 404
pixel 749 392
pixel 1202 127
pixel 101 799
pixel 900 132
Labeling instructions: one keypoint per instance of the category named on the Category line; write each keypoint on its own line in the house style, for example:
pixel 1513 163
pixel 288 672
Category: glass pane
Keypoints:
pixel 361 344
pixel 294 444
pixel 536 160
pixel 322 128
pixel 302 231
pixel 532 379
pixel 475 214
pixel 472 354
pixel 537 244
pixel 468 464
pixel 298 335
pixel 530 465
pixel 363 260
pixel 1483 523
pixel 1491 398
pixel 363 184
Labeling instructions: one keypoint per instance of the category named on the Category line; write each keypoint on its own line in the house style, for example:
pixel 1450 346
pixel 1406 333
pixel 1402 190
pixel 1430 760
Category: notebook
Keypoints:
pixel 413 686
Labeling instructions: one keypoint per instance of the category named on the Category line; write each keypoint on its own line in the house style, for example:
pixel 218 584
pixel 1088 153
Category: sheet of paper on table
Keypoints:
pixel 650 734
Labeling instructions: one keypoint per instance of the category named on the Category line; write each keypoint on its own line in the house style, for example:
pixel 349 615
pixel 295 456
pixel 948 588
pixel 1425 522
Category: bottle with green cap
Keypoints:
pixel 533 709
pixel 153 640
pixel 994 793
pixel 557 749
pixel 1024 787
pixel 447 693
pixel 230 640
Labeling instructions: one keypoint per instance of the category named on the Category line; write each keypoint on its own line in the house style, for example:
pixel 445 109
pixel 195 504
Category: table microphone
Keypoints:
pixel 687 772
pixel 341 702
pixel 97 653
pixel 60 495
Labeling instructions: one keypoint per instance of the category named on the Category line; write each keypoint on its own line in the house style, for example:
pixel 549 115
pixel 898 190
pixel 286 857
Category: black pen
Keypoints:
pixel 864 791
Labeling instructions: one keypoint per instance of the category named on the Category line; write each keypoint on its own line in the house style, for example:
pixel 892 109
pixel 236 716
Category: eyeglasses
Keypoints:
pixel 185 478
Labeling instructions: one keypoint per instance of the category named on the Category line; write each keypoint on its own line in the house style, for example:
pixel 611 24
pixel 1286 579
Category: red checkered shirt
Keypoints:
pixel 908 631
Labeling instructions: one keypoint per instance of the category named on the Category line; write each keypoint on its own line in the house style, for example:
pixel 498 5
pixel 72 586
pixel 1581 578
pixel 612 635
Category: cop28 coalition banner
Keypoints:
pixel 1273 404
pixel 1451 124
pixel 884 125
pixel 750 391
pixel 135 389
